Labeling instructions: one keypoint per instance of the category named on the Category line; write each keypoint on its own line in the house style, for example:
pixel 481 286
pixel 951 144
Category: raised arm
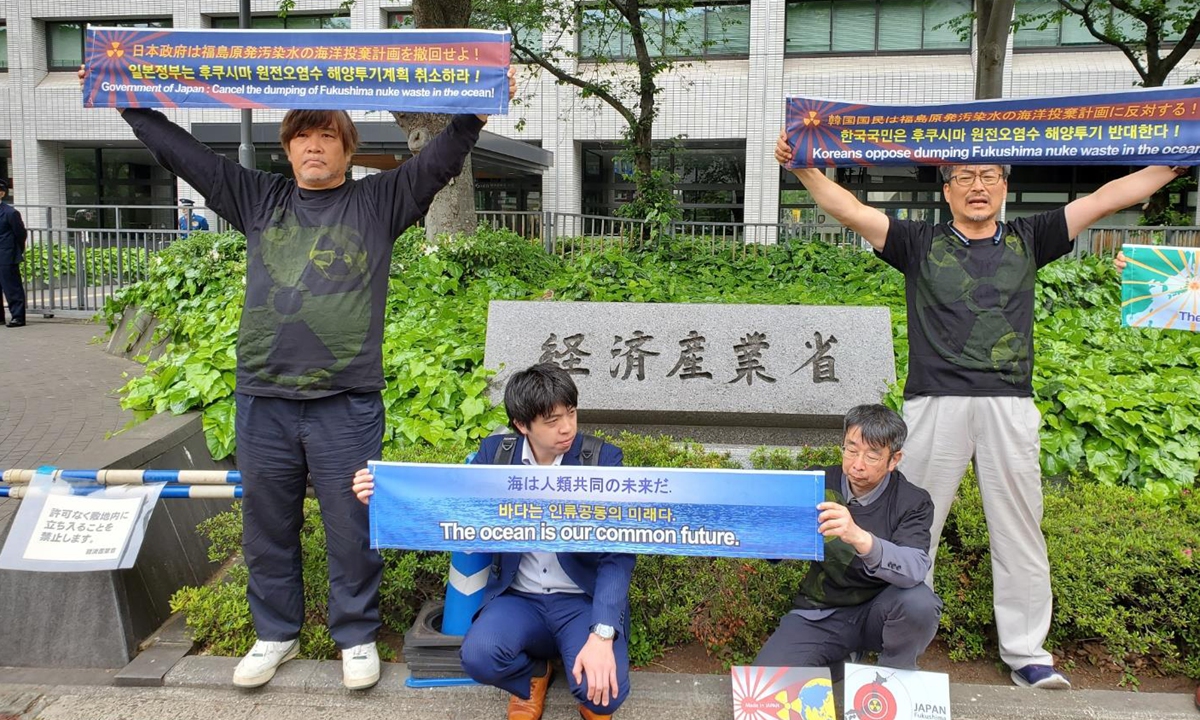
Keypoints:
pixel 231 191
pixel 836 200
pixel 1118 195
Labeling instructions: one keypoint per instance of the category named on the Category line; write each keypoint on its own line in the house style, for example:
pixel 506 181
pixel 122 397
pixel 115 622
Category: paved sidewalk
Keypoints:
pixel 198 689
pixel 57 394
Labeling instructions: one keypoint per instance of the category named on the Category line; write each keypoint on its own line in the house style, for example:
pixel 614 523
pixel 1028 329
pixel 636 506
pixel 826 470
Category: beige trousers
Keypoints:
pixel 1000 435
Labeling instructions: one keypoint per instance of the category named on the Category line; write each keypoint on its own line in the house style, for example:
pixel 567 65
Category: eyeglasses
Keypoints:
pixel 966 180
pixel 870 457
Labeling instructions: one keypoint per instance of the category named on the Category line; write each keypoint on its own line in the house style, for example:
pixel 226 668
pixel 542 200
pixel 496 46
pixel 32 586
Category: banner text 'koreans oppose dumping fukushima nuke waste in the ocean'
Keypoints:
pixel 1157 126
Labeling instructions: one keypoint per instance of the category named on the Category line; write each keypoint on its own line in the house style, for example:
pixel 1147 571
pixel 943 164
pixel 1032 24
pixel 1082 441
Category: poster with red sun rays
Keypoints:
pixel 1152 126
pixel 782 693
pixel 437 71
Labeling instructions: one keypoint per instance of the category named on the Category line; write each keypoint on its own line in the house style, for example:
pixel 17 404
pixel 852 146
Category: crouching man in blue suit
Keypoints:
pixel 540 605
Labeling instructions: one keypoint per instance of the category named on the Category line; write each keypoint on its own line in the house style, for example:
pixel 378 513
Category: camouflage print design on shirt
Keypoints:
pixel 983 338
pixel 838 556
pixel 311 318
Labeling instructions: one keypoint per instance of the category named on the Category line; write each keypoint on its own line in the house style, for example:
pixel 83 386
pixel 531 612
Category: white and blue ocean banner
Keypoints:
pixel 662 511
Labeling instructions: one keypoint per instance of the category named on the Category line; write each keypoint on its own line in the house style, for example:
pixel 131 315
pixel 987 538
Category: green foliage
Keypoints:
pixel 645 451
pixel 1123 567
pixel 1124 416
pixel 1118 417
pixel 219 614
pixel 1146 34
pixel 45 264
pixel 1123 570
pixel 806 457
pixel 194 288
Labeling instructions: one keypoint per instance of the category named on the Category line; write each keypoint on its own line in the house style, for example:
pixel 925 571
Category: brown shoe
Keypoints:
pixel 589 715
pixel 532 708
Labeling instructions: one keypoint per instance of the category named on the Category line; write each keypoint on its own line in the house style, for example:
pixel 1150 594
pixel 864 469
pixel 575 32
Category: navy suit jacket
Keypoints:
pixel 604 577
pixel 12 235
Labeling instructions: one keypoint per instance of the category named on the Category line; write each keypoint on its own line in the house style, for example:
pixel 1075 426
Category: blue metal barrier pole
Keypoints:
pixel 464 590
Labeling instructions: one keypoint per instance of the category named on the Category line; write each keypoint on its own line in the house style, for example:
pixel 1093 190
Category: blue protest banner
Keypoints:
pixel 440 71
pixel 1154 126
pixel 667 511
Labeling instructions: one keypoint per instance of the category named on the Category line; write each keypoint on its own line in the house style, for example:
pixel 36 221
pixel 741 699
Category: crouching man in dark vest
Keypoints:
pixel 538 606
pixel 869 592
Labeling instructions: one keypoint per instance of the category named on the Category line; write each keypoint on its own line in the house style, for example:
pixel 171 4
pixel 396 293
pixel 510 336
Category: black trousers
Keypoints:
pixel 281 444
pixel 899 623
pixel 14 291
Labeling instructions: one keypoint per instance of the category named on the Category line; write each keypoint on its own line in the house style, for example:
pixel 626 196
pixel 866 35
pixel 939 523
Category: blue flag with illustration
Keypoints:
pixel 662 511
pixel 437 71
pixel 1160 287
pixel 1153 126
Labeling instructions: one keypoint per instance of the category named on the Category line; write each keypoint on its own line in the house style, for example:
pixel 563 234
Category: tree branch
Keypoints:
pixel 1085 13
pixel 565 77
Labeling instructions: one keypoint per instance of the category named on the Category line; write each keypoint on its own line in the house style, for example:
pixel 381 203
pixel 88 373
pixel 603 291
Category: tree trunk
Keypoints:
pixel 994 18
pixel 453 209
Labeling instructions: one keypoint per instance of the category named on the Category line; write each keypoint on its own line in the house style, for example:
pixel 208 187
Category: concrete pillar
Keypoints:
pixel 765 117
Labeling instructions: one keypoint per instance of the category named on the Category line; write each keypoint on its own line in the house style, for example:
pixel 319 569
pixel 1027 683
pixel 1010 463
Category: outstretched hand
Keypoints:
pixel 1120 261
pixel 783 151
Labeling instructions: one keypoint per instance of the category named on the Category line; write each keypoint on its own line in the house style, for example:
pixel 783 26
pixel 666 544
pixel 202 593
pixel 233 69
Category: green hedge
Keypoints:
pixel 1124 576
pixel 1119 404
pixel 46 263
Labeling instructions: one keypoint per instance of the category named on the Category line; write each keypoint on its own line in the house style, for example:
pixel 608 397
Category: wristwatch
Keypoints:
pixel 605 632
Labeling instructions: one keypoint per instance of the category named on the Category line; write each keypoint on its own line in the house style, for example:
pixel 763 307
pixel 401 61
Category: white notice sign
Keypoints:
pixel 74 528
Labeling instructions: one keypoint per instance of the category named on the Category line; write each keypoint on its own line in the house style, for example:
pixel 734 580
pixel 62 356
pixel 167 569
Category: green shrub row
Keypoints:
pixel 1126 582
pixel 100 265
pixel 1120 405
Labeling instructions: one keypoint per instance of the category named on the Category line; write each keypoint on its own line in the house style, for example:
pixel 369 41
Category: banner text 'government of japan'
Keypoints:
pixel 437 71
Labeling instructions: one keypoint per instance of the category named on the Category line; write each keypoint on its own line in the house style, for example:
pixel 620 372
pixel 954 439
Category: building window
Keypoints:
pixel 1069 30
pixel 869 26
pixel 715 29
pixel 120 176
pixel 528 37
pixel 289 22
pixel 711 184
pixel 3 46
pixel 400 20
pixel 65 40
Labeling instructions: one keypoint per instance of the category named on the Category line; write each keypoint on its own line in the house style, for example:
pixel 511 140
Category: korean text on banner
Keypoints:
pixel 1155 126
pixel 668 511
pixel 438 71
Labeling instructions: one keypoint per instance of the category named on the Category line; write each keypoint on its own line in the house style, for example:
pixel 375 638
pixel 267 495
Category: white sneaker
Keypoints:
pixel 258 667
pixel 360 666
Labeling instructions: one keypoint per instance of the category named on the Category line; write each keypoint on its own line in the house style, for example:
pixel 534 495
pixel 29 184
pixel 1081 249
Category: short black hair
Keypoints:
pixel 879 426
pixel 536 391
